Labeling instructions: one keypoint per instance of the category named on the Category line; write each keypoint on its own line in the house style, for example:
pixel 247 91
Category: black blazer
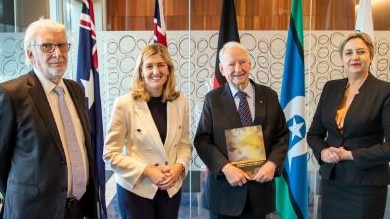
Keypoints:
pixel 220 113
pixel 33 171
pixel 366 132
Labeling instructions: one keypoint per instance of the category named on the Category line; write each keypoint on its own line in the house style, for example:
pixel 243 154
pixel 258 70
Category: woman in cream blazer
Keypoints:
pixel 148 145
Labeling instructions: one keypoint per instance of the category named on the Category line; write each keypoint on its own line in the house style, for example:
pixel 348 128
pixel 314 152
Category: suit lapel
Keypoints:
pixel 172 123
pixel 260 101
pixel 228 107
pixel 143 113
pixel 357 103
pixel 40 100
pixel 334 95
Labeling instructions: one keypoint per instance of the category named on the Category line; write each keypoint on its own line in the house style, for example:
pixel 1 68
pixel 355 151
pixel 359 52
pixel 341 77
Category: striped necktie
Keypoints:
pixel 243 109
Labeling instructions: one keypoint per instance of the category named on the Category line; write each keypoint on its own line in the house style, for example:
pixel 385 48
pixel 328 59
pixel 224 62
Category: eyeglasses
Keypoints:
pixel 50 47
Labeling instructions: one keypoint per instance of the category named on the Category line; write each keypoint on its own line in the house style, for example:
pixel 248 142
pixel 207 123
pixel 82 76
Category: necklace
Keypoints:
pixel 352 90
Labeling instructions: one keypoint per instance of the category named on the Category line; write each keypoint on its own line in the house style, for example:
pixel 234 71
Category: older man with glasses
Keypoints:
pixel 47 167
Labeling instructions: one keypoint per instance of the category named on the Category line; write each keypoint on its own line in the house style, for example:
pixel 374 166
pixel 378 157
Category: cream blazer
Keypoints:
pixel 133 143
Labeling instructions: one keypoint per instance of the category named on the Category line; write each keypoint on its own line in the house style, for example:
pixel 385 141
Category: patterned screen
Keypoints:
pixel 194 56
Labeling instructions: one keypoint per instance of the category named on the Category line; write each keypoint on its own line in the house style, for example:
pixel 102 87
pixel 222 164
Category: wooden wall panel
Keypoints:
pixel 177 22
pixel 251 14
pixel 211 7
pixel 135 8
pixel 381 10
pixel 197 7
pixel 197 22
pixel 175 7
pixel 334 15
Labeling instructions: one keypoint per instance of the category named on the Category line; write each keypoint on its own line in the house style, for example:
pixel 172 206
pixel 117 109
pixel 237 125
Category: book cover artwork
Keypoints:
pixel 245 148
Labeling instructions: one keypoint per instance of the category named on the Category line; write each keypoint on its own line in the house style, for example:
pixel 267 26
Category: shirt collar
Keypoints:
pixel 48 85
pixel 249 90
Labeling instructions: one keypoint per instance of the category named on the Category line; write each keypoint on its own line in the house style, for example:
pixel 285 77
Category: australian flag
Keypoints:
pixel 291 187
pixel 87 74
pixel 159 24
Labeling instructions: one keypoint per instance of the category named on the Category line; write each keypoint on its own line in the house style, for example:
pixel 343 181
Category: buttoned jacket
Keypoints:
pixel 366 132
pixel 133 143
pixel 219 114
pixel 33 167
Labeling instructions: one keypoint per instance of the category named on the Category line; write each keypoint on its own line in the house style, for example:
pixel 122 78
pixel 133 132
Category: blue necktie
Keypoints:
pixel 243 109
pixel 77 166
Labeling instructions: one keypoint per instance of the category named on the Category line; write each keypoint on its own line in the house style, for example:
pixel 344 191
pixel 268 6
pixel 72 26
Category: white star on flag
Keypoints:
pixel 89 93
pixel 295 129
pixel 299 148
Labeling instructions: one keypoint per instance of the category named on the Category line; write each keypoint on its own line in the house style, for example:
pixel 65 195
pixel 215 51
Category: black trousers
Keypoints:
pixel 132 206
pixel 246 214
pixel 72 209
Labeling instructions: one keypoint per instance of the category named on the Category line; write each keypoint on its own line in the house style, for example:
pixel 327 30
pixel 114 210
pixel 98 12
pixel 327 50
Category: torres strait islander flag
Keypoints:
pixel 159 24
pixel 291 186
pixel 88 76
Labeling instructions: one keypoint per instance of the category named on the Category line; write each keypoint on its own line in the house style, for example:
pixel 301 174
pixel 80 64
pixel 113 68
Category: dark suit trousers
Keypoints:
pixel 72 209
pixel 246 214
pixel 132 206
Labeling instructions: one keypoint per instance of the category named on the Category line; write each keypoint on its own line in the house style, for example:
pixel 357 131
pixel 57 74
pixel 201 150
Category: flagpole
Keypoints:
pixel 87 75
pixel 364 23
pixel 159 24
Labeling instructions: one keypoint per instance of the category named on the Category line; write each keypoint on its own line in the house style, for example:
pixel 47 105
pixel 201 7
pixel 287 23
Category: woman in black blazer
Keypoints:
pixel 350 136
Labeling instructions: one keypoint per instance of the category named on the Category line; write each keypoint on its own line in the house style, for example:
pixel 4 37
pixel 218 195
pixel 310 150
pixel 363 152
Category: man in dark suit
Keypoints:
pixel 229 191
pixel 35 163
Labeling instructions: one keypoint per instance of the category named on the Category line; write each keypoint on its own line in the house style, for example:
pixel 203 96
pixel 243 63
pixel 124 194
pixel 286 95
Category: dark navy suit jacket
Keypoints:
pixel 33 171
pixel 220 113
pixel 366 132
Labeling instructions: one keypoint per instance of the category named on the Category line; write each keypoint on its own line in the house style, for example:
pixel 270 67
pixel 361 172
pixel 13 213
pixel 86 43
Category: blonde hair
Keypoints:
pixel 363 36
pixel 138 90
pixel 33 30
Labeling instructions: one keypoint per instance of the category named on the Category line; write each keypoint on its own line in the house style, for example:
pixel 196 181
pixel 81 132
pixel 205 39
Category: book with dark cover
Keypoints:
pixel 245 148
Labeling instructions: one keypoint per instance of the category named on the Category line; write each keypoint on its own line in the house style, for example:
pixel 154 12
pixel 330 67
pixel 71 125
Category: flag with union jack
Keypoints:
pixel 87 75
pixel 159 24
